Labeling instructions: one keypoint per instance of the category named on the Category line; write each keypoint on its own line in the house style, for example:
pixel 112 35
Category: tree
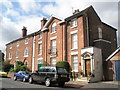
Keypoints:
pixel 20 66
pixel 6 66
pixel 64 64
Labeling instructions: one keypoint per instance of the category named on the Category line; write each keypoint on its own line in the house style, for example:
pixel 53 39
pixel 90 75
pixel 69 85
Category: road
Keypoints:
pixel 19 85
pixel 10 84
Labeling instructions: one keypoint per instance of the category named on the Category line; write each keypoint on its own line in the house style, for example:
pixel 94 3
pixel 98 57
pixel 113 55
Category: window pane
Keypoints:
pixel 53 61
pixel 75 63
pixel 40 49
pixel 53 46
pixel 54 27
pixel 74 41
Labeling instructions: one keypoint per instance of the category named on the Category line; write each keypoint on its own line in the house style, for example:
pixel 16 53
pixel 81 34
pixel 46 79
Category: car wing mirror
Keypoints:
pixel 37 71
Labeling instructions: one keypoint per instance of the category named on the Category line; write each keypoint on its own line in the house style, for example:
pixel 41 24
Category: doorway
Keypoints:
pixel 87 67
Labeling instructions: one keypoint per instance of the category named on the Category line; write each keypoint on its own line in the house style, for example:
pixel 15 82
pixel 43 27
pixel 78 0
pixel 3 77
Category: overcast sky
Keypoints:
pixel 14 14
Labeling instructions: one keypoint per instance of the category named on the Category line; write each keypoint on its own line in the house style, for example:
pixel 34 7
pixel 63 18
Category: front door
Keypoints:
pixel 87 67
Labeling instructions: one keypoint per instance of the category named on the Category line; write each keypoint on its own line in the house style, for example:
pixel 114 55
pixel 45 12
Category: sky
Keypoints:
pixel 14 14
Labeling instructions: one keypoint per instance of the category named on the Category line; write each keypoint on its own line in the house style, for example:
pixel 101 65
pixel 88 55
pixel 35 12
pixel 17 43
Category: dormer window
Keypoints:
pixel 54 28
pixel 26 41
pixel 74 23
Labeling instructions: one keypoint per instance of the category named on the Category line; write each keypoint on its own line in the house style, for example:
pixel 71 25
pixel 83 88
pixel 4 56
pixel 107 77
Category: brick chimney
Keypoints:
pixel 76 11
pixel 24 31
pixel 43 21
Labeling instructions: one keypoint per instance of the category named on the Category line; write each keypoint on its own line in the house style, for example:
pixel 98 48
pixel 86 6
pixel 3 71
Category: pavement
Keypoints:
pixel 101 84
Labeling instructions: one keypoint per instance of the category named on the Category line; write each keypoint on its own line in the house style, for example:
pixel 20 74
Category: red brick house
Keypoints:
pixel 113 65
pixel 63 40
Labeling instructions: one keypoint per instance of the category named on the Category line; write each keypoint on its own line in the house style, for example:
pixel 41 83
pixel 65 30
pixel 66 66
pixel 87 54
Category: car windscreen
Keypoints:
pixel 61 70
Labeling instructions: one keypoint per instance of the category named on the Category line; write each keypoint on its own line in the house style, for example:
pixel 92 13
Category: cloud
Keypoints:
pixel 29 5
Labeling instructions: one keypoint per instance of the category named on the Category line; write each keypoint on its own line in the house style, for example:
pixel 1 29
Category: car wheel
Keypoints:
pixel 15 78
pixel 30 80
pixel 61 84
pixel 24 79
pixel 47 82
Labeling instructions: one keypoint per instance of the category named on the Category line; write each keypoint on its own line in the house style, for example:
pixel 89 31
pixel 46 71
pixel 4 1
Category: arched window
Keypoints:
pixel 26 52
pixel 54 28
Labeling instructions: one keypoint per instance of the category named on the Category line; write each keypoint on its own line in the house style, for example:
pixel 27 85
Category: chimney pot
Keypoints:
pixel 76 11
pixel 24 31
pixel 43 21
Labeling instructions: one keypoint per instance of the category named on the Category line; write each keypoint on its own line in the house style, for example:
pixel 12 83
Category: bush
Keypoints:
pixel 64 64
pixel 45 64
pixel 11 70
pixel 20 67
pixel 6 66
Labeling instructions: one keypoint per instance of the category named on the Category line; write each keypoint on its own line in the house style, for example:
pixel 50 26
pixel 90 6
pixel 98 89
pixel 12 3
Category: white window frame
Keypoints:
pixel 74 23
pixel 54 28
pixel 40 35
pixel 75 68
pixel 17 44
pixel 16 54
pixel 26 52
pixel 53 61
pixel 10 46
pixel 26 41
pixel 74 43
pixel 39 50
pixel 40 61
pixel 10 55
pixel 53 46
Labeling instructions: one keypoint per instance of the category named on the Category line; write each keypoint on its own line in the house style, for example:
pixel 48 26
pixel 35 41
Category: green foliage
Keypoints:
pixel 6 66
pixel 20 66
pixel 45 64
pixel 64 64
pixel 11 70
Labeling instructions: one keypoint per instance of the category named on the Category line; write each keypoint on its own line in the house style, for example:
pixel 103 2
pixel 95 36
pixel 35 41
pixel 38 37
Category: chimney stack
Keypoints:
pixel 24 31
pixel 76 11
pixel 43 21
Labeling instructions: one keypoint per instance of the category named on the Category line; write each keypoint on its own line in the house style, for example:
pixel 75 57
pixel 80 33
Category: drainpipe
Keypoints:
pixel 33 54
pixel 87 25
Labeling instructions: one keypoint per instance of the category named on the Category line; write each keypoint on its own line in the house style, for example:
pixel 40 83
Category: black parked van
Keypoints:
pixel 50 75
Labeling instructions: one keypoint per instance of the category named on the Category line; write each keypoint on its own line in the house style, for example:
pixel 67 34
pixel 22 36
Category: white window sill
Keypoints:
pixel 17 45
pixel 74 48
pixel 9 58
pixel 26 56
pixel 40 54
pixel 16 57
pixel 39 38
pixel 26 43
pixel 73 27
pixel 53 33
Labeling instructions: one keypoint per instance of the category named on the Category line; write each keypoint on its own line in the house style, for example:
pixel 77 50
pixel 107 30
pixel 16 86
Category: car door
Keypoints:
pixel 35 76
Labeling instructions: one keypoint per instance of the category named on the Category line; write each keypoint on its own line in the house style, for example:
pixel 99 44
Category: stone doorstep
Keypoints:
pixel 76 83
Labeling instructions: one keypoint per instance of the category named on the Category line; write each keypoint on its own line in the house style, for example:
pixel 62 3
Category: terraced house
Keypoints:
pixel 81 39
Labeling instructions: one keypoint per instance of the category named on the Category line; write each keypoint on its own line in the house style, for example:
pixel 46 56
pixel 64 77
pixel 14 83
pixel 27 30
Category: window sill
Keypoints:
pixel 26 56
pixel 16 57
pixel 26 43
pixel 40 54
pixel 74 48
pixel 73 27
pixel 39 38
pixel 9 58
pixel 53 33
